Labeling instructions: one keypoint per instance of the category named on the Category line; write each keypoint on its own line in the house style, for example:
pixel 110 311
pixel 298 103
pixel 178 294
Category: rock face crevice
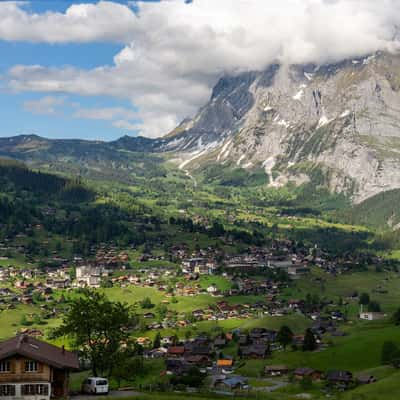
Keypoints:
pixel 342 118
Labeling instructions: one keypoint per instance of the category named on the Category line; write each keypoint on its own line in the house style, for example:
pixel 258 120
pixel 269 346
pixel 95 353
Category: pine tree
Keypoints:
pixel 285 336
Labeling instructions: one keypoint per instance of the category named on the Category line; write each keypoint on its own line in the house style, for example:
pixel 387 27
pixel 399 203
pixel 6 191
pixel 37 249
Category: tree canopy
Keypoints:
pixel 97 328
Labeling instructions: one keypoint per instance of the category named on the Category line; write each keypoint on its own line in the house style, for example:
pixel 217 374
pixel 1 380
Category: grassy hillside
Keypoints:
pixel 381 211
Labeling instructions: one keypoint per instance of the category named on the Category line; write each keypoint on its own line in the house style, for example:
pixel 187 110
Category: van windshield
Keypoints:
pixel 103 382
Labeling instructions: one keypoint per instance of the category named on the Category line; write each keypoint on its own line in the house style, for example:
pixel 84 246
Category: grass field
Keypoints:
pixel 359 351
pixel 372 282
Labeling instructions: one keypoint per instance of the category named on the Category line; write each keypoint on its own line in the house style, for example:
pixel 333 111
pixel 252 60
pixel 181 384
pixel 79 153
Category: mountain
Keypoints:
pixel 115 160
pixel 335 126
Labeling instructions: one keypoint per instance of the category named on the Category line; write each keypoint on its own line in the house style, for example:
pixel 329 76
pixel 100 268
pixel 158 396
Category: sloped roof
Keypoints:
pixel 34 349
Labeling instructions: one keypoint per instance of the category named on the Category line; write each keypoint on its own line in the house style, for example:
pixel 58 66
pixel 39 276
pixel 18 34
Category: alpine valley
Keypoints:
pixel 252 251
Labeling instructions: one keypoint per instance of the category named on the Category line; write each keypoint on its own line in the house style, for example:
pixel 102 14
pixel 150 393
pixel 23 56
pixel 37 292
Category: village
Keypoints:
pixel 247 286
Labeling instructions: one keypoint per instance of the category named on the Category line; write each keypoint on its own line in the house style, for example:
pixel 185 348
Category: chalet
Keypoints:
pixel 339 378
pixel 32 369
pixel 58 283
pixel 156 353
pixel 225 364
pixel 365 379
pixel 175 351
pixel 213 290
pixel 177 366
pixel 298 270
pixel 168 340
pixel 143 341
pixel 372 316
pixel 254 351
pixel 301 373
pixel 198 360
pixel 276 370
pixel 232 383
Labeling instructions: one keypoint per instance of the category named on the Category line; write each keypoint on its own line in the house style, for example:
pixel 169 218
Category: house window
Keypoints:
pixel 28 390
pixel 5 366
pixel 7 390
pixel 31 366
pixel 42 389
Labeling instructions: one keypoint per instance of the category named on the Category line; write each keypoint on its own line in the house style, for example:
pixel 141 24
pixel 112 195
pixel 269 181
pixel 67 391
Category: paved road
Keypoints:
pixel 113 394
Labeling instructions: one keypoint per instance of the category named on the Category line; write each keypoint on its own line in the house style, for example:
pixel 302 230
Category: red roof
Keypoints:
pixel 176 350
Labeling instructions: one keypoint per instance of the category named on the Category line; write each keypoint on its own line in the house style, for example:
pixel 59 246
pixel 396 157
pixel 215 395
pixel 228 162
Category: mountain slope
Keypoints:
pixel 126 159
pixel 339 123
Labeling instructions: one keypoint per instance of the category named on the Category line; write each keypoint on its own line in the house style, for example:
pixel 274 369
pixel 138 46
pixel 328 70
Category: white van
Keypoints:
pixel 95 386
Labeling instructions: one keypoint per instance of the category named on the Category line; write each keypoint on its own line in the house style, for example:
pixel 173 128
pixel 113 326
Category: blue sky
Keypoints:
pixel 16 120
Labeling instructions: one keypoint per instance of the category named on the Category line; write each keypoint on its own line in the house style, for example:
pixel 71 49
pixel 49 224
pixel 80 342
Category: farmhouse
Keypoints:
pixel 298 270
pixel 232 383
pixel 372 316
pixel 276 370
pixel 31 368
pixel 301 373
pixel 340 378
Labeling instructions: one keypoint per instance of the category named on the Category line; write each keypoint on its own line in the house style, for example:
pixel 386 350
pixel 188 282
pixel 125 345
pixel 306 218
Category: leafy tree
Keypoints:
pixel 396 317
pixel 389 353
pixel 97 327
pixel 285 336
pixel 374 306
pixel 364 299
pixel 127 367
pixel 309 344
pixel 146 303
pixel 193 378
pixel 157 341
pixel 306 383
pixel 24 321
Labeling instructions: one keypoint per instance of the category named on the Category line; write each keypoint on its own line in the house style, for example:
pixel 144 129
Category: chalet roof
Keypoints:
pixel 176 350
pixel 30 347
pixel 276 368
pixel 342 376
pixel 304 371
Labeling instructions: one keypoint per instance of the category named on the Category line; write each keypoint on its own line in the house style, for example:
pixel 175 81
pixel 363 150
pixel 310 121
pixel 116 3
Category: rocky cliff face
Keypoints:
pixel 337 124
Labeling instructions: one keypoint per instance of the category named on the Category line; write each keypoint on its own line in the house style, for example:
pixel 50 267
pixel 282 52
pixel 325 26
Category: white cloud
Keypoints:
pixel 107 113
pixel 47 105
pixel 104 21
pixel 174 52
pixel 122 124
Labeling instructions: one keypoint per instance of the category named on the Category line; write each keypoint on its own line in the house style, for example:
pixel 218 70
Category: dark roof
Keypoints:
pixel 276 368
pixel 256 349
pixel 342 376
pixel 305 371
pixel 30 347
